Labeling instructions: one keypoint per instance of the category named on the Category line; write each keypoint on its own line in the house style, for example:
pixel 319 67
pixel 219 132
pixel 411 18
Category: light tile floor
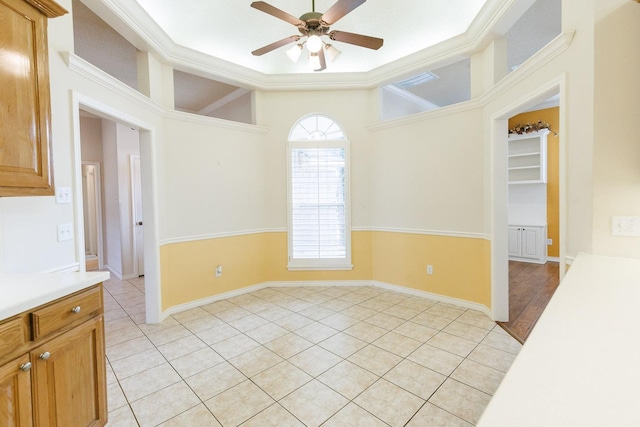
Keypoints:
pixel 301 356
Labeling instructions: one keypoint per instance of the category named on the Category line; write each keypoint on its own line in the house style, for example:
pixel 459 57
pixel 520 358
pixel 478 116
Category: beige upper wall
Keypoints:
pixel 616 165
pixel 352 110
pixel 214 178
pixel 427 173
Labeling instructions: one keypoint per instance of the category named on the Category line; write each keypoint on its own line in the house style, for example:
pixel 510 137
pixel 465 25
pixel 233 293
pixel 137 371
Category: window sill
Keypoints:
pixel 307 267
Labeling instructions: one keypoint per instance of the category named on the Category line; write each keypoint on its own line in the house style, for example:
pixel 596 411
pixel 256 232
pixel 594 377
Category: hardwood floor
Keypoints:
pixel 531 286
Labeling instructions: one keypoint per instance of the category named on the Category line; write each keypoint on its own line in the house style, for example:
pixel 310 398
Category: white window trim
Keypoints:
pixel 317 263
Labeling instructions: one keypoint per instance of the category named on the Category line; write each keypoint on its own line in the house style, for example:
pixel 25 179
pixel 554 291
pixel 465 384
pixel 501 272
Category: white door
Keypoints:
pixel 514 241
pixel 138 226
pixel 530 243
pixel 92 212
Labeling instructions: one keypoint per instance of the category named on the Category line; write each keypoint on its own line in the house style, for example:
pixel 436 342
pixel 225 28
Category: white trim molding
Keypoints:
pixel 445 233
pixel 186 239
pixel 327 283
pixel 435 297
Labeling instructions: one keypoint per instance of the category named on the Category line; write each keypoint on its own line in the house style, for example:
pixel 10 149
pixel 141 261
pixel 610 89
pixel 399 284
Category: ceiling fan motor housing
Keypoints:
pixel 313 24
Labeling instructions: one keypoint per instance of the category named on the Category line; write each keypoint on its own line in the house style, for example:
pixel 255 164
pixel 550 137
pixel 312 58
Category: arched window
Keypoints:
pixel 318 180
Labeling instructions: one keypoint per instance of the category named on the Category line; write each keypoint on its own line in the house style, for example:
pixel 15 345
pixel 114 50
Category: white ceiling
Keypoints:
pixel 230 30
pixel 209 43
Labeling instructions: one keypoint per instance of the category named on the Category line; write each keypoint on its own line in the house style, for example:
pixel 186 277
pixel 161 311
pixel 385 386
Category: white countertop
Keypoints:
pixel 21 292
pixel 581 364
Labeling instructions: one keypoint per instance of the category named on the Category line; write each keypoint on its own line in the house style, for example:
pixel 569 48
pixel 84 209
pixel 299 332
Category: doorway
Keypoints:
pixel 500 218
pixel 147 210
pixel 533 214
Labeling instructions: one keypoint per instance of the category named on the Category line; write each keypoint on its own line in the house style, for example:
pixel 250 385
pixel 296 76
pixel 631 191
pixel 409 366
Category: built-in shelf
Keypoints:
pixel 527 158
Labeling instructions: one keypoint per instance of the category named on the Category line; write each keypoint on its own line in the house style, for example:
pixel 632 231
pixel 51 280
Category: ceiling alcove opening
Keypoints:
pixel 206 97
pixel 450 83
pixel 446 85
pixel 101 45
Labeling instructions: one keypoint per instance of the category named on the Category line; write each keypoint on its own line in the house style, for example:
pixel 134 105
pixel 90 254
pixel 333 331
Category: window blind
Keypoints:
pixel 318 203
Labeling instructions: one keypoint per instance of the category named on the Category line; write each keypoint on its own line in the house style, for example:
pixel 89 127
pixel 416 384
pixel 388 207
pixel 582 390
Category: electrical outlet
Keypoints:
pixel 625 226
pixel 219 271
pixel 429 269
pixel 65 232
pixel 549 242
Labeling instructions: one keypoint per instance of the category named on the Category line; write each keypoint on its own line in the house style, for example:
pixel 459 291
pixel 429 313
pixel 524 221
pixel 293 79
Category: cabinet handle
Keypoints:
pixel 45 355
pixel 75 310
pixel 26 367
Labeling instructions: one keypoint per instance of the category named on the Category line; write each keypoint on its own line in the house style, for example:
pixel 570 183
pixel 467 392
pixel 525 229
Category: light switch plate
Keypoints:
pixel 65 232
pixel 63 194
pixel 625 226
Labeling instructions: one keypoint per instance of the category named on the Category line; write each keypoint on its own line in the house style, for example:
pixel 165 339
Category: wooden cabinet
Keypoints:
pixel 25 112
pixel 527 162
pixel 527 243
pixel 57 376
pixel 15 392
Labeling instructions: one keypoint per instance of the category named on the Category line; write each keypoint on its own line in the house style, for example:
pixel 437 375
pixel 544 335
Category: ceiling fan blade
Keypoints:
pixel 323 60
pixel 357 39
pixel 340 9
pixel 274 11
pixel 268 48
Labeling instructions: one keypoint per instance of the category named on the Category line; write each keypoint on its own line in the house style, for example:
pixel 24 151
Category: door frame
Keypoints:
pixel 150 210
pixel 499 190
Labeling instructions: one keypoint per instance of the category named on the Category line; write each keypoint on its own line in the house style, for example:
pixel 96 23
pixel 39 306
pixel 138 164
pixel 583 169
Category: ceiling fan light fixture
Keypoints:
pixel 294 53
pixel 314 61
pixel 314 44
pixel 332 52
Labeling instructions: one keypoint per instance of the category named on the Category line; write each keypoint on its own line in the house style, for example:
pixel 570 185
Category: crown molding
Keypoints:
pixel 49 8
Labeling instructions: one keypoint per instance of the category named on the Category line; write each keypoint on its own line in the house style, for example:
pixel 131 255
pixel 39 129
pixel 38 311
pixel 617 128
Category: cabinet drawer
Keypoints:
pixel 12 335
pixel 66 312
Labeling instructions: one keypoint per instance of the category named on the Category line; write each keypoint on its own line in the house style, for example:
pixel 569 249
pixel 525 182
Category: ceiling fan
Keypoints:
pixel 313 25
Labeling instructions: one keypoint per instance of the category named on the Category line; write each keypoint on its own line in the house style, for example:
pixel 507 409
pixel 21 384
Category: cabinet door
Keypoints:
pixel 514 241
pixel 15 393
pixel 69 378
pixel 531 243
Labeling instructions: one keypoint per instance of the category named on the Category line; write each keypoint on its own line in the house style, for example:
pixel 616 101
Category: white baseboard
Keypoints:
pixel 316 283
pixel 113 271
pixel 395 288
pixel 553 258
pixel 436 297
pixel 208 300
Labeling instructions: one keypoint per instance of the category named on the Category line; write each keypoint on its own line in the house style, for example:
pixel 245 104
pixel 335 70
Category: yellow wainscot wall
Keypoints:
pixel 188 268
pixel 461 265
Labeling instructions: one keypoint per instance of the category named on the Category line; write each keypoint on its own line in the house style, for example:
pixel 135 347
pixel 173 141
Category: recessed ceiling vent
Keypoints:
pixel 417 80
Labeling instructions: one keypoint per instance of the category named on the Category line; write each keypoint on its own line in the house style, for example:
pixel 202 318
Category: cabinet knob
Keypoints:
pixel 45 355
pixel 26 367
pixel 75 310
